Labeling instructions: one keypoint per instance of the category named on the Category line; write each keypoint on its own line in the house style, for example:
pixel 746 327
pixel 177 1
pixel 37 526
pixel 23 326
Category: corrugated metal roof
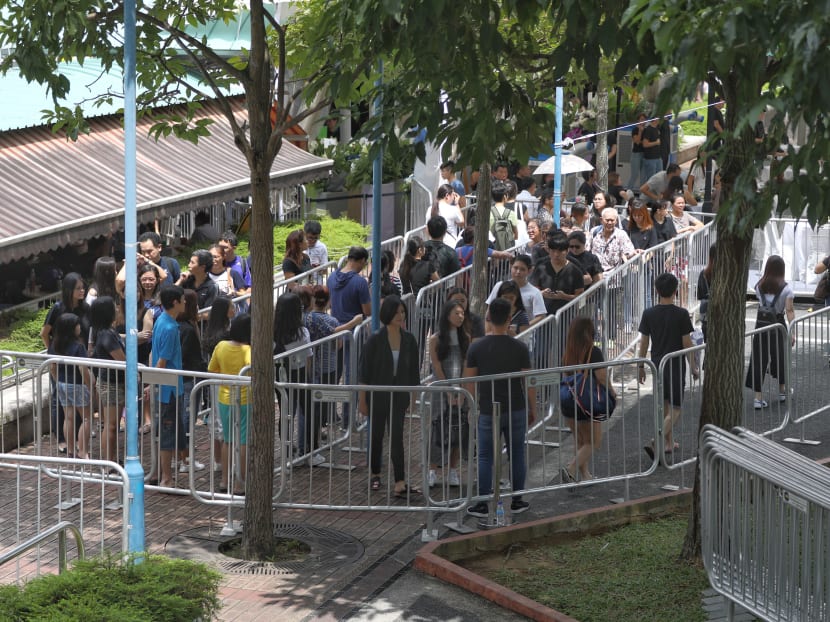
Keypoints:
pixel 54 192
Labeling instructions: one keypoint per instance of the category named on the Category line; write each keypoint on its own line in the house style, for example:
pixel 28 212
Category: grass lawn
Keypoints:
pixel 630 574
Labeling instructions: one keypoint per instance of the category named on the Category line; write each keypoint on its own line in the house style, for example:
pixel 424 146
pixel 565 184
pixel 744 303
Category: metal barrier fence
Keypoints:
pixel 420 200
pixel 764 517
pixel 42 492
pixel 810 339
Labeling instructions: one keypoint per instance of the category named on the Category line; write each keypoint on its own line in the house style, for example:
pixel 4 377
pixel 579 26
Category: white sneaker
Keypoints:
pixel 759 404
pixel 198 466
pixel 184 467
pixel 317 460
pixel 453 479
pixel 431 478
pixel 217 466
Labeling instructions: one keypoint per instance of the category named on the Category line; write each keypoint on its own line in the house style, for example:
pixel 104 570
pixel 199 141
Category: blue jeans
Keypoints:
pixel 636 179
pixel 650 167
pixel 513 427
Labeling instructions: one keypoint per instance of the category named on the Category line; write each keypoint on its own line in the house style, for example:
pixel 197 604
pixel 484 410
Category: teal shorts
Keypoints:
pixel 242 422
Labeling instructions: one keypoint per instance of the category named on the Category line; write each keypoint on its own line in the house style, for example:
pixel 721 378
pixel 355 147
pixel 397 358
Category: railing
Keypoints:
pixel 764 517
pixel 41 490
pixel 60 529
pixel 420 200
pixel 810 339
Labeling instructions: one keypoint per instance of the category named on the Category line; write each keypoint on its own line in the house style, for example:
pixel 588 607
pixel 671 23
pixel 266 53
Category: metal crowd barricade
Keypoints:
pixel 810 336
pixel 589 304
pixel 682 395
pixel 40 492
pixel 765 513
pixel 19 399
pixel 611 449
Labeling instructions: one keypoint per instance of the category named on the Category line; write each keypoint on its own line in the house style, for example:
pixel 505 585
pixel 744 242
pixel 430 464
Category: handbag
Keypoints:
pixel 823 288
pixel 583 391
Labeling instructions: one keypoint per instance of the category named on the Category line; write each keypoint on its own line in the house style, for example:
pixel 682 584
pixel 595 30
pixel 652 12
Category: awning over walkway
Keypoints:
pixel 54 192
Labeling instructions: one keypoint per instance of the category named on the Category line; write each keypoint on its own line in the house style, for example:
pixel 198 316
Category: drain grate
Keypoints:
pixel 330 549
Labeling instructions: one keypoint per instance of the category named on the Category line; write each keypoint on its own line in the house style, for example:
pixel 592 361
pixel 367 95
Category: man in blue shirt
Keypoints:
pixel 167 354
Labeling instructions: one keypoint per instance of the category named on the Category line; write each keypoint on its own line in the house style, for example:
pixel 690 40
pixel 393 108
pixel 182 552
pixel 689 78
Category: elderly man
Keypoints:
pixel 610 243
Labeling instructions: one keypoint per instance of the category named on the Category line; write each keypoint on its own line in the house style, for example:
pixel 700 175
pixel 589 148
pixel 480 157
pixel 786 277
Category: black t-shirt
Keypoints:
pixel 206 292
pixel 665 231
pixel 107 341
pixel 636 147
pixel 57 310
pixel 643 239
pixel 587 262
pixel 568 280
pixel 499 354
pixel 651 133
pixel 289 265
pixel 191 347
pixel 69 374
pixel 665 325
pixel 612 140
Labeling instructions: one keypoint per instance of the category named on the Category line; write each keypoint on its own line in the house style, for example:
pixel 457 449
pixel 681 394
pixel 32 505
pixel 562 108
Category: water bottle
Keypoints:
pixel 500 514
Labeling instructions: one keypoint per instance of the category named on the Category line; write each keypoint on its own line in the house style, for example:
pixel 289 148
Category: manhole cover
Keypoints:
pixel 329 549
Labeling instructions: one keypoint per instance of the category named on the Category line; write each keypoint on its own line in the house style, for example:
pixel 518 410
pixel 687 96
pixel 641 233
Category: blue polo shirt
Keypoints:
pixel 166 345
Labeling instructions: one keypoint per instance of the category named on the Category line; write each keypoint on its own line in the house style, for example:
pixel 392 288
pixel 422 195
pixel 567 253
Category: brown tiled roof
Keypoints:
pixel 54 192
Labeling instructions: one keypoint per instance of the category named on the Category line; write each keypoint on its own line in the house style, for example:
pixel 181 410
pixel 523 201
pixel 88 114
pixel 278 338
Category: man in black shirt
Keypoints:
pixel 499 353
pixel 560 280
pixel 444 258
pixel 652 158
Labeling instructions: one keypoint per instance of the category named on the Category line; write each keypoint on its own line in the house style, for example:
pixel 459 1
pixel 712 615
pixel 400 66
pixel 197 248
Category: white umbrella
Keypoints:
pixel 570 164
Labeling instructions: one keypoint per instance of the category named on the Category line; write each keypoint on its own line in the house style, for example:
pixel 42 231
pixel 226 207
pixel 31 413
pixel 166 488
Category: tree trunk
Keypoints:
pixel 478 288
pixel 723 380
pixel 602 137
pixel 258 537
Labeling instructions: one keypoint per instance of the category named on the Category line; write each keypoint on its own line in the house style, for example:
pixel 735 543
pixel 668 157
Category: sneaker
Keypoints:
pixel 782 397
pixel 431 479
pixel 759 404
pixel 198 466
pixel 317 460
pixel 217 466
pixel 453 479
pixel 517 506
pixel 479 509
pixel 184 467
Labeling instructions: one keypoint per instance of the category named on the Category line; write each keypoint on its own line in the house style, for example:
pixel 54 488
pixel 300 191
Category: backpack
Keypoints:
pixel 502 229
pixel 766 311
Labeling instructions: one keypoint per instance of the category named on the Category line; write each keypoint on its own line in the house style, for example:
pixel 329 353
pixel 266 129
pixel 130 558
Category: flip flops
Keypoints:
pixel 407 491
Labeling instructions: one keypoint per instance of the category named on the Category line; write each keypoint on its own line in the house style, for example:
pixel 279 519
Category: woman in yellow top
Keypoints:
pixel 229 357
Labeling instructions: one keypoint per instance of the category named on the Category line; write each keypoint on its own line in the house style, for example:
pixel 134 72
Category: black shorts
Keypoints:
pixel 674 383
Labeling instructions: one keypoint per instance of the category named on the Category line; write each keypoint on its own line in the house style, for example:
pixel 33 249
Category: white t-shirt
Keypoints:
pixel 319 255
pixel 531 298
pixel 223 282
pixel 452 214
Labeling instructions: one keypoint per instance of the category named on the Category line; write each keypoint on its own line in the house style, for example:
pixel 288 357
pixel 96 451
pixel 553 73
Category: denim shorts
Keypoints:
pixel 111 394
pixel 76 395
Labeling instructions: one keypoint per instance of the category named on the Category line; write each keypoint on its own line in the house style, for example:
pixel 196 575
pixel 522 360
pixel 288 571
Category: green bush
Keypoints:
pixel 104 589
pixel 23 332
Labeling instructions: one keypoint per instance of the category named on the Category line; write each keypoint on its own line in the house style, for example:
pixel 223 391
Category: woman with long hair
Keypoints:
pixel 390 357
pixel 601 201
pixel 663 225
pixel 585 426
pixel 73 292
pixel 74 384
pixel 229 357
pixel 290 334
pixel 473 323
pixel 641 227
pixel 446 205
pixel 103 280
pixel 544 212
pixel 296 260
pixel 108 346
pixel 416 269
pixel 447 353
pixel 775 298
pixel 519 320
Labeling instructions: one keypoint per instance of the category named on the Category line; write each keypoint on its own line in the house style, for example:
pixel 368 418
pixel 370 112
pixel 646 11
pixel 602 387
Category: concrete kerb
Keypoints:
pixel 438 558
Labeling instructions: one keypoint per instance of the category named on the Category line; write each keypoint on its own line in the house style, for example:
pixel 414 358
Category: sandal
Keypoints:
pixel 145 428
pixel 375 483
pixel 407 491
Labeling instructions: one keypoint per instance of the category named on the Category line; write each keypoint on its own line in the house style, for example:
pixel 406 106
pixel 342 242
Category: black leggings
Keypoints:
pixel 767 351
pixel 377 425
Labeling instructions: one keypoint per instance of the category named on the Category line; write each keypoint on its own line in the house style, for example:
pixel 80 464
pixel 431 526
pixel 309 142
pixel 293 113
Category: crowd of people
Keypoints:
pixel 555 265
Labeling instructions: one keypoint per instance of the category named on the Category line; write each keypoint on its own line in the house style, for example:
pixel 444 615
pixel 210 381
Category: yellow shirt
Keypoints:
pixel 229 358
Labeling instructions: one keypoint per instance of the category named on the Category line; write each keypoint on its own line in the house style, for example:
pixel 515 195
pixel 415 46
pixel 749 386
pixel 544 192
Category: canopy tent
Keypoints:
pixel 54 192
